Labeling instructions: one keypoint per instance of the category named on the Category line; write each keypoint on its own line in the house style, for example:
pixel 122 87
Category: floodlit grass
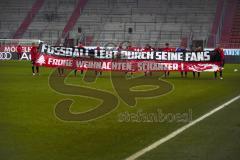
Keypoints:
pixel 30 130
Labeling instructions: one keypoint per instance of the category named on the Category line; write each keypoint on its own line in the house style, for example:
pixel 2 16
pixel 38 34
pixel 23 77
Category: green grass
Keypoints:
pixel 29 129
pixel 216 137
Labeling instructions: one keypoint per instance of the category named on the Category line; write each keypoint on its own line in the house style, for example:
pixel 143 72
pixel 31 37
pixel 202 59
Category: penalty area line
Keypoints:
pixel 180 130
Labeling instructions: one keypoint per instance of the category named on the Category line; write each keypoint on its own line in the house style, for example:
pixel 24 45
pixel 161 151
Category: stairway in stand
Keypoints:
pixel 231 28
pixel 28 19
pixel 235 30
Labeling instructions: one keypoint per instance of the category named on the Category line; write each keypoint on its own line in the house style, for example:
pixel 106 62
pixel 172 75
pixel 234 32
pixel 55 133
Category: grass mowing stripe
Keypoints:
pixel 180 130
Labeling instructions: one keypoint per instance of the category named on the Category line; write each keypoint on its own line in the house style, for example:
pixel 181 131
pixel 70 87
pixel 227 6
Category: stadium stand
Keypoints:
pixel 154 22
pixel 28 19
pixel 51 20
pixel 235 28
pixel 141 22
pixel 230 29
pixel 12 13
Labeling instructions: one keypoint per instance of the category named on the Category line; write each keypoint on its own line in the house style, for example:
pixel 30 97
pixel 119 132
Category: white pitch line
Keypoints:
pixel 178 131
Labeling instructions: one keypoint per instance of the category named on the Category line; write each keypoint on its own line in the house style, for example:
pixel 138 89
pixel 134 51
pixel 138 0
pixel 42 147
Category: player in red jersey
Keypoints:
pixel 148 48
pixel 166 49
pixel 34 54
pixel 220 57
pixel 19 51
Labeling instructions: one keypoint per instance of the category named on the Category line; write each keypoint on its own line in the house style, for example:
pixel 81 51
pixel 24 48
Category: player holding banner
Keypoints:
pixel 166 49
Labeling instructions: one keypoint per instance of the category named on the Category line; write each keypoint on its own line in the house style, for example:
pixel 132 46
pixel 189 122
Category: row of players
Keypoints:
pixel 219 50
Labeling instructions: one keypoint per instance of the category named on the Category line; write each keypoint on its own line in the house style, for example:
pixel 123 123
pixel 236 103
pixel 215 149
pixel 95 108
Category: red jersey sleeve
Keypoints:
pixel 222 54
pixel 33 53
pixel 167 49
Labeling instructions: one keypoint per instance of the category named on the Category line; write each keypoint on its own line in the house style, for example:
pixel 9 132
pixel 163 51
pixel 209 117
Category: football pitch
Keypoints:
pixel 30 129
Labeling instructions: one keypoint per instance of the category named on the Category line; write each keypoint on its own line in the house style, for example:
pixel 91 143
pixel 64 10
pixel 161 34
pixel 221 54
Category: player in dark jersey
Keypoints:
pixel 220 54
pixel 80 46
pixel 96 71
pixel 198 49
pixel 19 51
pixel 182 49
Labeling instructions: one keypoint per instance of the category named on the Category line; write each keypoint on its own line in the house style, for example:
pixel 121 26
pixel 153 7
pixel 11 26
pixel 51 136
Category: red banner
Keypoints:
pixel 124 65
